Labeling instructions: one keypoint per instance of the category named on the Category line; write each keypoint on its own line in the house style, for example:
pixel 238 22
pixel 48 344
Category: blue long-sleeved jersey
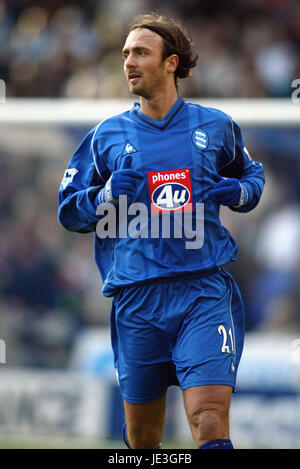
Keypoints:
pixel 178 158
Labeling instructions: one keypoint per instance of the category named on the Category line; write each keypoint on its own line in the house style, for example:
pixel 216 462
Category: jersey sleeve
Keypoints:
pixel 235 161
pixel 81 183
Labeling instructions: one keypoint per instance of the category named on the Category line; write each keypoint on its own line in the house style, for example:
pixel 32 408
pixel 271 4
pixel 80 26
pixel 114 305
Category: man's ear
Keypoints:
pixel 172 63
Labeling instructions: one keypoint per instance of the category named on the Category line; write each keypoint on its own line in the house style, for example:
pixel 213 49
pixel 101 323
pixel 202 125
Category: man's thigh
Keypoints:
pixel 210 341
pixel 142 350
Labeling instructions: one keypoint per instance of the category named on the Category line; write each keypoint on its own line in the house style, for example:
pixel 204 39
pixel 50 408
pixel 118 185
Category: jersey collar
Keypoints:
pixel 155 123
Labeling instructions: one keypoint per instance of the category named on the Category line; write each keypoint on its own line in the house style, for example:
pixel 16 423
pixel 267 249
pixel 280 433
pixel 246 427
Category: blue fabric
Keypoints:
pixel 218 444
pixel 227 191
pixel 122 182
pixel 178 158
pixel 186 332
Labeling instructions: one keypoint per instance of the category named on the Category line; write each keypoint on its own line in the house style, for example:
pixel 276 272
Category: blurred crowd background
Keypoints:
pixel 72 49
pixel 49 286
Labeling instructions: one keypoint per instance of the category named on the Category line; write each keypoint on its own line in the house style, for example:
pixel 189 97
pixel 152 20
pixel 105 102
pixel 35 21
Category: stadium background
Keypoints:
pixel 57 387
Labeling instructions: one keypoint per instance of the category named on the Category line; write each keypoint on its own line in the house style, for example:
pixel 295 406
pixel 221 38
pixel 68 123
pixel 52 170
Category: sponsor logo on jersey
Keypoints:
pixel 170 190
pixel 68 176
pixel 200 139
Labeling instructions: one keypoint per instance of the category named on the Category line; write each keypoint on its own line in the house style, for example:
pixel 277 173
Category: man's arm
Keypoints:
pixel 85 186
pixel 240 181
pixel 78 190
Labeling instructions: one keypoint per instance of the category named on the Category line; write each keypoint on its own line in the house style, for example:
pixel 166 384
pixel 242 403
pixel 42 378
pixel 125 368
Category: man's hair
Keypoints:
pixel 176 40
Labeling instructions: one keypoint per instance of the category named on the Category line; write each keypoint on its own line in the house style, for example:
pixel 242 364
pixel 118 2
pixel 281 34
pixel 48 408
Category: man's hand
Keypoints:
pixel 122 182
pixel 227 191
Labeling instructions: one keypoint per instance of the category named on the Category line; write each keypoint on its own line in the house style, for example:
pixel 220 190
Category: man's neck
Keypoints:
pixel 158 106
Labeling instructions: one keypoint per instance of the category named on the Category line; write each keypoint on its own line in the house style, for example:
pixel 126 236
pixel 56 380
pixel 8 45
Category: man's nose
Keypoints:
pixel 130 61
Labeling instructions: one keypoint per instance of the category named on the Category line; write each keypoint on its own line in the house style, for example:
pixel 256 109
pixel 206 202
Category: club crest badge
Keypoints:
pixel 200 139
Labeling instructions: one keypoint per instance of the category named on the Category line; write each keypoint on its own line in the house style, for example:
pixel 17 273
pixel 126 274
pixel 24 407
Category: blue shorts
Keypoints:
pixel 181 331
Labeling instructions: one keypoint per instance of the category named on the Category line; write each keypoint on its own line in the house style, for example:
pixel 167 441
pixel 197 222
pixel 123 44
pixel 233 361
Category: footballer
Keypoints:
pixel 177 316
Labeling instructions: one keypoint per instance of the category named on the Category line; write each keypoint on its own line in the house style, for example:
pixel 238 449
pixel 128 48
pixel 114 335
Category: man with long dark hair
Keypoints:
pixel 177 315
